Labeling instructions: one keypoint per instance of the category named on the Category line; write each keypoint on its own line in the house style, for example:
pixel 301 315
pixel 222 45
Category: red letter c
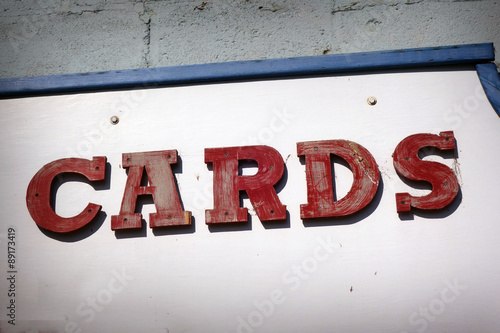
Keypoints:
pixel 38 194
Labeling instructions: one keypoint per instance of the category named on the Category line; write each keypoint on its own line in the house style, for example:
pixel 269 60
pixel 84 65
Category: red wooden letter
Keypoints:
pixel 259 187
pixel 161 186
pixel 320 201
pixel 407 163
pixel 38 194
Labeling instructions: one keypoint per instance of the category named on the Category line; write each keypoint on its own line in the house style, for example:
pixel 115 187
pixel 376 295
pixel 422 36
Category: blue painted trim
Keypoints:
pixel 243 70
pixel 490 80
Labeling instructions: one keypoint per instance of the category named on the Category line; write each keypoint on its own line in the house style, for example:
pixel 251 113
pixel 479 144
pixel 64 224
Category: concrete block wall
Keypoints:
pixel 44 37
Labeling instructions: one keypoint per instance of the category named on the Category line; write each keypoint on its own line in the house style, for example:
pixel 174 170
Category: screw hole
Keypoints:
pixel 371 100
pixel 125 219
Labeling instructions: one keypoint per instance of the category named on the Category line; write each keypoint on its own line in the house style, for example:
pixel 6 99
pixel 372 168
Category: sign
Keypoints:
pixel 259 187
pixel 334 198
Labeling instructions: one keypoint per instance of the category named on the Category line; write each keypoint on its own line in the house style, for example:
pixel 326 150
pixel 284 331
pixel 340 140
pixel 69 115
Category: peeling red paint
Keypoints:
pixel 259 187
pixel 227 183
pixel 162 187
pixel 407 163
pixel 39 193
pixel 320 200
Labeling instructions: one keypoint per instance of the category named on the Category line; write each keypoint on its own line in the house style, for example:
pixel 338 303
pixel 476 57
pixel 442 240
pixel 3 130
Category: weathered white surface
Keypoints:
pixel 378 273
pixel 58 36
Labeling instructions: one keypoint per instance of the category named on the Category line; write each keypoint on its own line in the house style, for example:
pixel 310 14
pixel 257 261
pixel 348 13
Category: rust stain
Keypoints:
pixel 360 159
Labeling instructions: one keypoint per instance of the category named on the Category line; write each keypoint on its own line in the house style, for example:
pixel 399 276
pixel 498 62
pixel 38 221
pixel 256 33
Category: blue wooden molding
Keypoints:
pixel 244 70
pixel 490 80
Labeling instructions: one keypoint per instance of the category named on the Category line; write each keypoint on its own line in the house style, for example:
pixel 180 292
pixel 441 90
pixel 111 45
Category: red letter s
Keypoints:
pixel 407 163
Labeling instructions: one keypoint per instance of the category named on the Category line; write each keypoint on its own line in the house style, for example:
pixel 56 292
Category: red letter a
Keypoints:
pixel 162 187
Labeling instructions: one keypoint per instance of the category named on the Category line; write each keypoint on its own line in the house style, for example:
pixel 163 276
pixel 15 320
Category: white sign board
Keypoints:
pixel 373 271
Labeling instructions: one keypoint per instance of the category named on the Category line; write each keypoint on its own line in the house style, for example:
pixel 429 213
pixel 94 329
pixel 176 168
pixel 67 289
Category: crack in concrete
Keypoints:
pixel 273 8
pixel 147 39
pixel 68 12
pixel 145 16
pixel 355 6
pixel 65 7
pixel 92 11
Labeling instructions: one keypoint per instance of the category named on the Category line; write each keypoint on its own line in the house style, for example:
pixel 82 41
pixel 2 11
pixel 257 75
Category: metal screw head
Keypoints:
pixel 372 100
pixel 114 120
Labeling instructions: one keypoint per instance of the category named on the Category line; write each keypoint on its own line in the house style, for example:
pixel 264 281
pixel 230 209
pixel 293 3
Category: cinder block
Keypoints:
pixel 44 43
